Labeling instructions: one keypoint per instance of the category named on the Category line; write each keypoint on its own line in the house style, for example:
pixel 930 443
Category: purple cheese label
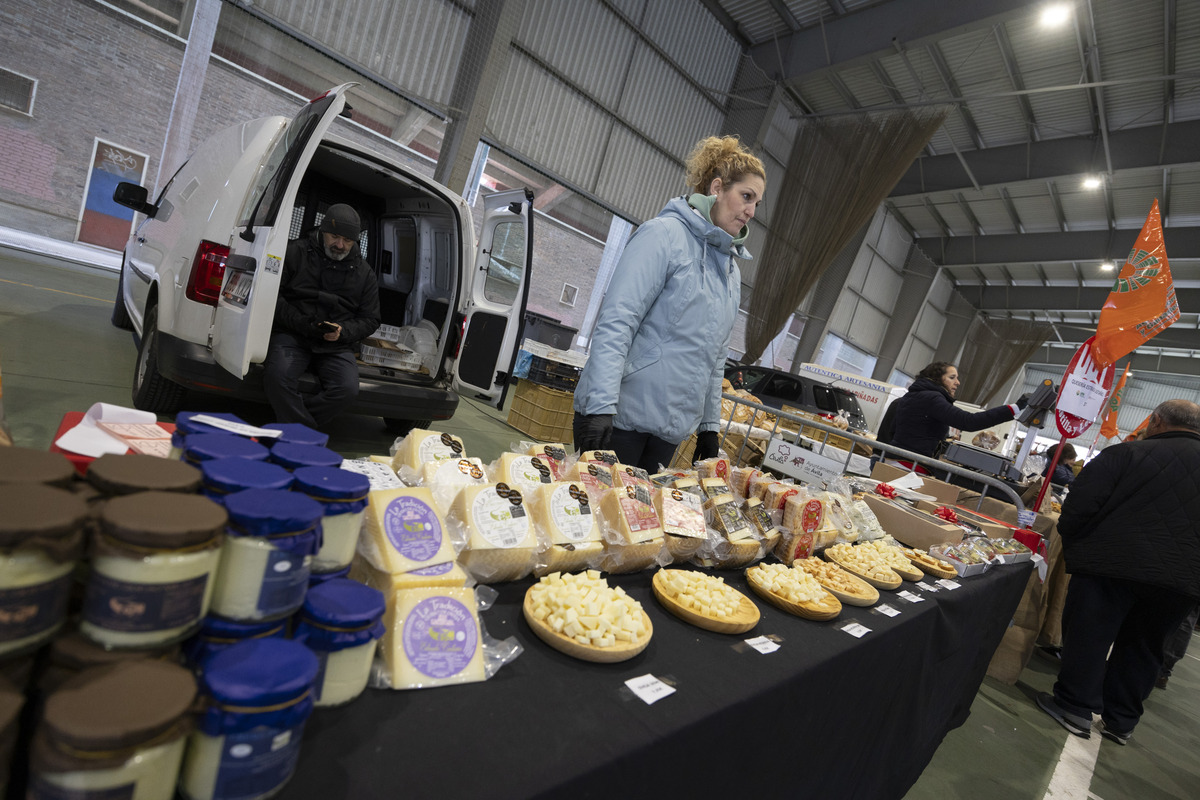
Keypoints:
pixel 413 528
pixel 436 569
pixel 440 637
pixel 257 762
pixel 142 607
pixel 29 610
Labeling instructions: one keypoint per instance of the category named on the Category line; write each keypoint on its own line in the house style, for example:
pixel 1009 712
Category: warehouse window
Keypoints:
pixel 17 91
pixel 569 293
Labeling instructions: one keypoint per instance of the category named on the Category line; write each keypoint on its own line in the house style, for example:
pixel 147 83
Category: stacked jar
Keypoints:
pixel 186 424
pixel 201 447
pixel 340 622
pixel 343 496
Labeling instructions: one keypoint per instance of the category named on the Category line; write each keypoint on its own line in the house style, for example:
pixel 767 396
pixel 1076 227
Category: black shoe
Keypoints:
pixel 1108 733
pixel 1160 682
pixel 1080 726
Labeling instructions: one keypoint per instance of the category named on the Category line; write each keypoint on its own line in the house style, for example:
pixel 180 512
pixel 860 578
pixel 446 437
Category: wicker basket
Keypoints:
pixel 752 455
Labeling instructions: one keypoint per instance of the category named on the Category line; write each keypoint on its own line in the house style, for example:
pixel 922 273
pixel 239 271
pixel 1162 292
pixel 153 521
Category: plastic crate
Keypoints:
pixel 541 412
pixel 554 374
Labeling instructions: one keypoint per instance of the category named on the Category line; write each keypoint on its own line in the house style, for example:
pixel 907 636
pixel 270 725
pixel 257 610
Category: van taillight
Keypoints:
pixel 208 272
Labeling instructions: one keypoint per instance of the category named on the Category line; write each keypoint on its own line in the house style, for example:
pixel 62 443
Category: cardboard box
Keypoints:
pixel 944 492
pixel 912 527
pixel 994 528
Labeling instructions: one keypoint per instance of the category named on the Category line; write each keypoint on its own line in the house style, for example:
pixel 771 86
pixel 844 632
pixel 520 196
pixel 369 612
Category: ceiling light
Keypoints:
pixel 1107 266
pixel 1055 15
pixel 1091 183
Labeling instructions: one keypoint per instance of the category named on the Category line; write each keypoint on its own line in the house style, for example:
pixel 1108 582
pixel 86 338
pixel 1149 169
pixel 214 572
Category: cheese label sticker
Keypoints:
pixel 500 516
pixel 638 514
pixel 436 569
pixel 438 448
pixel 142 607
pixel 469 469
pixel 812 516
pixel 413 528
pixel 440 637
pixel 571 512
pixel 29 610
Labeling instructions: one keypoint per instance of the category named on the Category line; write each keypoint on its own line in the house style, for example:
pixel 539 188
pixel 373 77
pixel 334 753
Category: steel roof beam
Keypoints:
pixel 1018 83
pixel 997 298
pixel 943 71
pixel 1143 362
pixel 1035 248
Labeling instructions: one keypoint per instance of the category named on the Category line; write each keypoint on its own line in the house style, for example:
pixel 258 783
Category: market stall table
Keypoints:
pixel 826 715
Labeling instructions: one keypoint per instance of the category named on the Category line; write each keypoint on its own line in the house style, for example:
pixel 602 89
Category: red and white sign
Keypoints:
pixel 1085 386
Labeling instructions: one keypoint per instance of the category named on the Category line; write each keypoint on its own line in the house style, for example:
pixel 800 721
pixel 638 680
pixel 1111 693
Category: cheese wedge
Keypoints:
pixel 606 457
pixel 421 445
pixel 522 471
pixel 725 518
pixel 637 538
pixel 447 574
pixel 403 530
pixel 594 477
pixel 682 522
pixel 627 475
pixel 778 494
pixel 570 531
pixel 432 638
pixel 714 468
pixel 691 486
pixel 757 515
pixel 554 454
pixel 759 485
pixel 715 487
pixel 740 479
pixel 501 542
pixel 446 477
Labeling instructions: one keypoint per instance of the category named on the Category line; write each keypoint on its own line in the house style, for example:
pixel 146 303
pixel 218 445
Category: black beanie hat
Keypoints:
pixel 342 220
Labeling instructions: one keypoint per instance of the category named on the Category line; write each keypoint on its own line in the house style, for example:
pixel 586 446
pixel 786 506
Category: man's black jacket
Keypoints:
pixel 316 288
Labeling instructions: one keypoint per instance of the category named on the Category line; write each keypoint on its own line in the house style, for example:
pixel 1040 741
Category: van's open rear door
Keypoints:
pixel 246 309
pixel 499 289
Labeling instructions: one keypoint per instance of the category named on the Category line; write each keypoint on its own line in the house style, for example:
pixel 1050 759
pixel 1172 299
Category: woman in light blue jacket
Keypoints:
pixel 657 354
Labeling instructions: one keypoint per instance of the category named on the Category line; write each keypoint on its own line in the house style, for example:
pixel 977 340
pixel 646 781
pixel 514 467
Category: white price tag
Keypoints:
pixel 649 688
pixel 762 644
pixel 912 598
pixel 887 610
pixel 380 475
pixel 237 427
pixel 926 587
pixel 949 584
pixel 856 630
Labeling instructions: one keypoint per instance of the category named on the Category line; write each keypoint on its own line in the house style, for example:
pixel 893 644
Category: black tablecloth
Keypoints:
pixel 827 715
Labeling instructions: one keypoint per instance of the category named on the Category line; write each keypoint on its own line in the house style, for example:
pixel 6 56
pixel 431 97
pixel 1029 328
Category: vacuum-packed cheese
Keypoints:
pixel 564 514
pixel 501 543
pixel 740 479
pixel 777 495
pixel 554 454
pixel 404 531
pixel 682 522
pixel 637 538
pixel 432 638
pixel 421 445
pixel 759 485
pixel 606 457
pixel 446 477
pixel 727 519
pixel 446 574
pixel 714 468
pixel 522 471
pixel 628 475
pixel 715 487
pixel 595 478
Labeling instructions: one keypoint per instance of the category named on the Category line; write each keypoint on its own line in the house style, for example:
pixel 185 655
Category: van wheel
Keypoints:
pixel 400 427
pixel 120 314
pixel 151 391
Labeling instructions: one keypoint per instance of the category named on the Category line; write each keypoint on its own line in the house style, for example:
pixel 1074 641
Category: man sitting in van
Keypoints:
pixel 328 301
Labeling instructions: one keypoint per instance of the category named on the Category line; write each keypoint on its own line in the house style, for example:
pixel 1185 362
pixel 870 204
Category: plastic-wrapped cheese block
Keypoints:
pixel 715 487
pixel 444 478
pixel 727 519
pixel 637 537
pixel 682 522
pixel 606 457
pixel 865 522
pixel 837 512
pixel 756 514
pixel 432 638
pixel 421 445
pixel 404 531
pixel 629 475
pixel 554 454
pixel 777 495
pixel 691 486
pixel 759 485
pixel 740 479
pixel 522 471
pixel 714 468
pixel 447 574
pixel 565 516
pixel 595 478
pixel 501 542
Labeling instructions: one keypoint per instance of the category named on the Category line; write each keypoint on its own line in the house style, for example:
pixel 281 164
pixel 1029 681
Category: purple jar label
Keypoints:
pixel 44 790
pixel 29 610
pixel 436 569
pixel 117 605
pixel 413 528
pixel 256 762
pixel 285 581
pixel 440 637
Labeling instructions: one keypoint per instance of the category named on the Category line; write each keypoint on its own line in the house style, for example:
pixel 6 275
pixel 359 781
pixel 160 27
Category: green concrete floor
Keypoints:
pixel 59 353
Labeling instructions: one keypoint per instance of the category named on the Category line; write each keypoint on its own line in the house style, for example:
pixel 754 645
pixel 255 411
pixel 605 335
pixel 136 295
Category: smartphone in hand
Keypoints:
pixel 328 327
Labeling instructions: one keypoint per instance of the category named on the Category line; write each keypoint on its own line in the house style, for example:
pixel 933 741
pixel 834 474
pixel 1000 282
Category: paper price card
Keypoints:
pixel 649 688
pixel 926 587
pixel 855 629
pixel 912 598
pixel 887 610
pixel 949 584
pixel 763 645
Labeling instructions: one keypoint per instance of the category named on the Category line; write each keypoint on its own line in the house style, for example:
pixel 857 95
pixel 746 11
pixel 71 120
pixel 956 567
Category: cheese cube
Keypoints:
pixel 432 638
pixel 637 538
pixel 421 445
pixel 522 471
pixel 571 534
pixel 404 531
pixel 501 542
pixel 555 455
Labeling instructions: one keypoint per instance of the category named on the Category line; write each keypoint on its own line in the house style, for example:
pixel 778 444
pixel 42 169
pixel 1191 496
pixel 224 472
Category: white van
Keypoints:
pixel 201 273
pixel 873 396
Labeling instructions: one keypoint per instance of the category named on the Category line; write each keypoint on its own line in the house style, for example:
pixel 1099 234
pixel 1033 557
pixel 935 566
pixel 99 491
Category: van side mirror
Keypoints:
pixel 133 196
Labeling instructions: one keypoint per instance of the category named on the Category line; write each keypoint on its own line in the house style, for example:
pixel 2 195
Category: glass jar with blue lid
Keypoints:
pixel 218 634
pixel 225 476
pixel 294 456
pixel 343 494
pixel 341 620
pixel 297 433
pixel 186 425
pixel 266 558
pixel 257 698
pixel 201 447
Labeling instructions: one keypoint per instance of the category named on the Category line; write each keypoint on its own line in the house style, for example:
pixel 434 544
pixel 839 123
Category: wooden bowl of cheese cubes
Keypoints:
pixel 582 616
pixel 704 600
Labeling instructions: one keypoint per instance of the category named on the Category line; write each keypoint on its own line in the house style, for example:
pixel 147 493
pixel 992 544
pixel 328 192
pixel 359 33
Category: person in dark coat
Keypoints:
pixel 1063 474
pixel 328 301
pixel 1130 529
pixel 922 418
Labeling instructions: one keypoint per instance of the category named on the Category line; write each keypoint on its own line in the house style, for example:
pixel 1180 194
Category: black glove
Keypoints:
pixel 592 431
pixel 706 445
pixel 1022 401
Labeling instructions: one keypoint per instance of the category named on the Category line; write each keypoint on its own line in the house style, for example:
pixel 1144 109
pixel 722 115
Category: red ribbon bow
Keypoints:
pixel 947 514
pixel 885 489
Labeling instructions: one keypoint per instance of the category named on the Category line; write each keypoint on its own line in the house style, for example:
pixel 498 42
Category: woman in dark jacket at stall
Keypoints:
pixel 921 419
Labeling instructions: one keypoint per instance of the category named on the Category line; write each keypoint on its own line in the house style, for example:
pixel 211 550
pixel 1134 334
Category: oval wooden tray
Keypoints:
pixel 931 564
pixel 827 607
pixel 586 652
pixel 876 582
pixel 745 618
pixel 867 595
pixel 911 573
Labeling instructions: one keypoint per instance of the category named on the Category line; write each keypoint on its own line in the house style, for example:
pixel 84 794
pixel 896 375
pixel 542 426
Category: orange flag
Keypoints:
pixel 1133 434
pixel 1109 429
pixel 1142 302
